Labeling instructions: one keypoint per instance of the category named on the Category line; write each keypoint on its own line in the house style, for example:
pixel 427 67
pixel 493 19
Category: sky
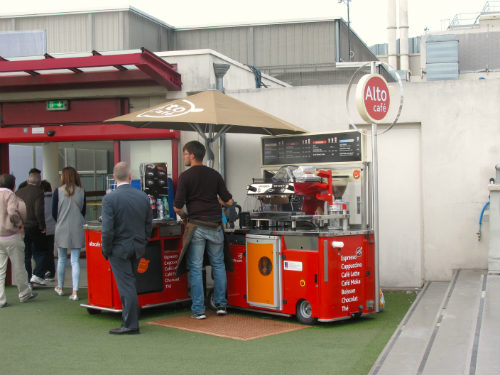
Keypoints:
pixel 368 17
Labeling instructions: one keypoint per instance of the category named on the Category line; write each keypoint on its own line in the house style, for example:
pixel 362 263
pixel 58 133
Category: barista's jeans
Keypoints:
pixel 214 241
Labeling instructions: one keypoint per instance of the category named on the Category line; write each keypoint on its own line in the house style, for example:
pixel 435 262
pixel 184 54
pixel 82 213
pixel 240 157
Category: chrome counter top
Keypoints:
pixel 97 225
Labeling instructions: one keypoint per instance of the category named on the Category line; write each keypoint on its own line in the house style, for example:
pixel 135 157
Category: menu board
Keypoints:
pixel 312 148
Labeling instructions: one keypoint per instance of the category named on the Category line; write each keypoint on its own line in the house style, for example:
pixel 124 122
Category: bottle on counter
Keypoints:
pixel 152 203
pixel 166 210
pixel 159 208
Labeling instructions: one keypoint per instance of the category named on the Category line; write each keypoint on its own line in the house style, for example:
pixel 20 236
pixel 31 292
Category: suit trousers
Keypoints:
pixel 125 281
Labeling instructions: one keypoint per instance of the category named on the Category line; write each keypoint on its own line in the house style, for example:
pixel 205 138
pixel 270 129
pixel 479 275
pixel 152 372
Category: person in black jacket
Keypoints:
pixel 126 229
pixel 34 227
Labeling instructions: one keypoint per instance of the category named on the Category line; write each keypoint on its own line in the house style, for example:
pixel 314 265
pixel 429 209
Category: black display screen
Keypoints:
pixel 313 148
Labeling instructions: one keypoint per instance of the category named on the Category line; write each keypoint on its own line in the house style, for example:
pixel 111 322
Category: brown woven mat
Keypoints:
pixel 232 326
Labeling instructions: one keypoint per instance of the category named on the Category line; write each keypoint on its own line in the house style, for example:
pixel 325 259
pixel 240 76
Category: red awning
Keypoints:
pixel 94 71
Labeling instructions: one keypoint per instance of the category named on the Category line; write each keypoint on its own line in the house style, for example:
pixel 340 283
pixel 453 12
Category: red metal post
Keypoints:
pixel 4 158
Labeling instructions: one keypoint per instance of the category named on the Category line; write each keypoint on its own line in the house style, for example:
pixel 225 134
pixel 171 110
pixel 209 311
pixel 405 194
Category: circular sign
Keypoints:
pixel 372 98
pixel 265 266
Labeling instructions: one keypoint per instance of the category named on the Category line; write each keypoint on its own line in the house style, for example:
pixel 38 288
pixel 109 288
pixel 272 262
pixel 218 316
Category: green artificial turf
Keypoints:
pixel 52 335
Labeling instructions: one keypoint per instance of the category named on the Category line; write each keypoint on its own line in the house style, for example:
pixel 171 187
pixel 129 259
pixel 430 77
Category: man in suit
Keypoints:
pixel 126 228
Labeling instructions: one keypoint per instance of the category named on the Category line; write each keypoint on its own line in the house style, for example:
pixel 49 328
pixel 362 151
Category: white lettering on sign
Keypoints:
pixel 183 107
pixel 347 274
pixel 350 266
pixel 350 281
pixel 95 244
pixel 374 93
pixel 350 299
pixel 292 266
pixel 343 258
pixel 373 98
pixel 348 291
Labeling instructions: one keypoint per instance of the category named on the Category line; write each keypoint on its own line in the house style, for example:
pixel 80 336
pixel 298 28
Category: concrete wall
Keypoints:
pixel 434 169
pixel 197 70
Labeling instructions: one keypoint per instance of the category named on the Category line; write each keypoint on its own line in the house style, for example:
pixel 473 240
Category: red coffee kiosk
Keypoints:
pixel 307 245
pixel 155 271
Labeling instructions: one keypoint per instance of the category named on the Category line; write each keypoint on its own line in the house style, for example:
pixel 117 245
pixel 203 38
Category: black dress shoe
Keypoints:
pixel 124 331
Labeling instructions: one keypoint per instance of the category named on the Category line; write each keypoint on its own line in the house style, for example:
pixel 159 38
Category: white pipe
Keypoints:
pixel 391 34
pixel 403 35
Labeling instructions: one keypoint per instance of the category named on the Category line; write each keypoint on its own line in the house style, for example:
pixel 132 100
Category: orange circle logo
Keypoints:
pixel 302 283
pixel 356 174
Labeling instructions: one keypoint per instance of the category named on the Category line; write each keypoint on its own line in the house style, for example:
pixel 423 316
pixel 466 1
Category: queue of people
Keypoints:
pixel 43 221
pixel 34 220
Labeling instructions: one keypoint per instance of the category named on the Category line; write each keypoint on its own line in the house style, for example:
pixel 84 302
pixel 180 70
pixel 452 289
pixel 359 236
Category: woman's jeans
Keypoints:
pixel 75 266
pixel 214 242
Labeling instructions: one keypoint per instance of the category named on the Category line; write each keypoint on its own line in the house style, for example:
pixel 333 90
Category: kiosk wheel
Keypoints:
pixel 93 311
pixel 304 312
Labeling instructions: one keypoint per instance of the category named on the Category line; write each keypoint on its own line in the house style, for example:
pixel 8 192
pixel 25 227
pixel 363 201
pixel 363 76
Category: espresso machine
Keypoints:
pixel 307 196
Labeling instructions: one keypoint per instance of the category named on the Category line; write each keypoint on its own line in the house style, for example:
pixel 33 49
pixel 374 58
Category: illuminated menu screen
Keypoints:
pixel 313 148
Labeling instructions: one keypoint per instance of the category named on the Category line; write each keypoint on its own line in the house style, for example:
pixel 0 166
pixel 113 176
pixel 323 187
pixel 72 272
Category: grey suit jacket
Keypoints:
pixel 126 223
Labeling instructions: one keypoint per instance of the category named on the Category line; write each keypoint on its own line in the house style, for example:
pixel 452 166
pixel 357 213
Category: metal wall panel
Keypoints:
pixel 360 51
pixel 442 71
pixel 101 31
pixel 442 57
pixel 442 52
pixel 107 30
pixel 230 41
pixel 143 33
pixel 65 33
pixel 479 52
pixel 294 44
pixel 267 45
pixel 6 24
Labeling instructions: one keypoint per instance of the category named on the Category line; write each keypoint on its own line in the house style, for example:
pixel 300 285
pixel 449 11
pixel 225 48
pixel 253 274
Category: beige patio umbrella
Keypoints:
pixel 211 114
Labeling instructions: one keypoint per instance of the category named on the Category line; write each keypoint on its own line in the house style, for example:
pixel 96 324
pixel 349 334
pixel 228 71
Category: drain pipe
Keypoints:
pixel 220 70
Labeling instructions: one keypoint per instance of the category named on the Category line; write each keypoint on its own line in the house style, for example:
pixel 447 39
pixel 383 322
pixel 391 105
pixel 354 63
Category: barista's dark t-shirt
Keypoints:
pixel 199 188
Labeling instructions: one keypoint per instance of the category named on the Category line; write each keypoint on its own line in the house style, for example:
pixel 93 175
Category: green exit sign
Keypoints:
pixel 57 105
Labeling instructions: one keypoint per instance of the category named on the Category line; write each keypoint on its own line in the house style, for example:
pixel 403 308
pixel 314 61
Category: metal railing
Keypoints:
pixel 472 19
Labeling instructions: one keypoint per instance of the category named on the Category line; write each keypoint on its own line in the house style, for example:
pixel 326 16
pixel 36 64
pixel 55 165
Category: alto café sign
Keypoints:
pixel 372 98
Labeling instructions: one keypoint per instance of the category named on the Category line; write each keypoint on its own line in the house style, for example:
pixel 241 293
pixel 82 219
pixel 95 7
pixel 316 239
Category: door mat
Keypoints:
pixel 231 326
